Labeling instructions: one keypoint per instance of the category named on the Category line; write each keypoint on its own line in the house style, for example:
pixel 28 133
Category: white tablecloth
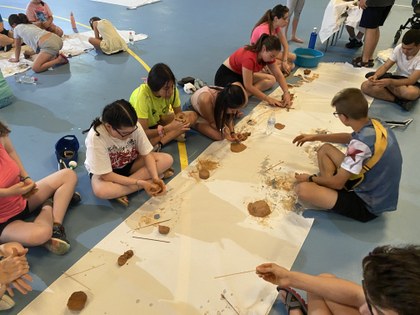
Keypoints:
pixel 337 13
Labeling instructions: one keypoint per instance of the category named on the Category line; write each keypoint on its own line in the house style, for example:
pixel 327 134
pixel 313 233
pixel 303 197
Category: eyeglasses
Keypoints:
pixel 125 134
pixel 336 114
pixel 369 305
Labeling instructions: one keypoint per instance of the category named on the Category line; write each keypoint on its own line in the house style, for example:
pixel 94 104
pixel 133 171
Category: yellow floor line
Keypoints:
pixel 132 53
pixel 183 157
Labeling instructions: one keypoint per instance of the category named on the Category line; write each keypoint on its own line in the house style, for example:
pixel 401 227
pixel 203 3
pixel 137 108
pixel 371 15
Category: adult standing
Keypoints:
pixel 374 15
pixel 295 9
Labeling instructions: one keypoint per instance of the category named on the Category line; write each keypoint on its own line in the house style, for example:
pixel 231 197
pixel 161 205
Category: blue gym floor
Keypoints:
pixel 193 38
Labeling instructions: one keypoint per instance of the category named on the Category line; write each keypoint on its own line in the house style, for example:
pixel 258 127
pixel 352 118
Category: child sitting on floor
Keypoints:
pixel 119 156
pixel 106 37
pixel 153 102
pixel 47 45
pixel 216 108
pixel 22 198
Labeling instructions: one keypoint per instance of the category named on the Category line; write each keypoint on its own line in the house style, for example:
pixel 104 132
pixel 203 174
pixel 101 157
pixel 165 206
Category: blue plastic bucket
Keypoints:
pixel 307 57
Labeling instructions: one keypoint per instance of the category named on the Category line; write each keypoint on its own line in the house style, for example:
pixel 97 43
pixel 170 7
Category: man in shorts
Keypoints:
pixel 363 182
pixel 402 87
pixel 374 15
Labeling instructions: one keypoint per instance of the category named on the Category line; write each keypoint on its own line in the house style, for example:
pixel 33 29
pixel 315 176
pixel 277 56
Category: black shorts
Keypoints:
pixel 351 206
pixel 5 32
pixel 21 216
pixel 225 76
pixel 389 75
pixel 124 171
pixel 373 17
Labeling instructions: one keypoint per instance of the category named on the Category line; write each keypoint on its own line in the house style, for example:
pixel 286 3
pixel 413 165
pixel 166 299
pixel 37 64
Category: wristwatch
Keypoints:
pixel 311 178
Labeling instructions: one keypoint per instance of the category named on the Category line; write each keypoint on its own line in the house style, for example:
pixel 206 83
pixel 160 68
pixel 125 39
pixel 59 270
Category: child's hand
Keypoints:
pixel 273 273
pixel 21 189
pixel 302 177
pixel 301 139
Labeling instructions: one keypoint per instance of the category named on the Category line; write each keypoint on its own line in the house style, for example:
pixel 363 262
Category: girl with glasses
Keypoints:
pixel 119 156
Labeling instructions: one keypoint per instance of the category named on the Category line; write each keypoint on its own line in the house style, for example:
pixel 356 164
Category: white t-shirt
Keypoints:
pixel 405 67
pixel 357 153
pixel 29 33
pixel 105 153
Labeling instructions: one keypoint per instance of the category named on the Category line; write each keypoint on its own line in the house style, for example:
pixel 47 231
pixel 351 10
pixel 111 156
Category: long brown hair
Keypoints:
pixel 278 11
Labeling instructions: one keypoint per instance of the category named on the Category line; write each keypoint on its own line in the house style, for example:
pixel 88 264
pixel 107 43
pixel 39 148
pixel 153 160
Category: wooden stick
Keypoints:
pixel 93 267
pixel 140 227
pixel 274 165
pixel 224 297
pixel 71 277
pixel 236 273
pixel 151 239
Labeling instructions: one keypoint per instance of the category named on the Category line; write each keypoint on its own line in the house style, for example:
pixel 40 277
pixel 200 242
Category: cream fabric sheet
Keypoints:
pixel 212 233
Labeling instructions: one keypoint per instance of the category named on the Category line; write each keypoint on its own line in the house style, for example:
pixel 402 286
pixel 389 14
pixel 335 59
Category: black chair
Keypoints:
pixel 412 23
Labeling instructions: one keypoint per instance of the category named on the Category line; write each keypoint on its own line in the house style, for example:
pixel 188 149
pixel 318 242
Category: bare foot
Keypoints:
pixel 296 40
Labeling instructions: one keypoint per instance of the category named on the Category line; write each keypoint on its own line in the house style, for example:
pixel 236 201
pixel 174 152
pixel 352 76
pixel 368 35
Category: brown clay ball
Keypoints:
pixel 204 173
pixel 279 126
pixel 306 72
pixel 163 229
pixel 77 301
pixel 237 147
pixel 259 208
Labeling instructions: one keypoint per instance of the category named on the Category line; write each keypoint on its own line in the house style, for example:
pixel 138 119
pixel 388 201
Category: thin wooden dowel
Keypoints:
pixel 151 239
pixel 234 274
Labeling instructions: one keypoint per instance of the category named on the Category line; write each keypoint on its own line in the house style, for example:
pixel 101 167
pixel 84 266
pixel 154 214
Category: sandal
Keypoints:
pixel 66 60
pixel 293 301
pixel 358 62
pixel 123 200
pixel 168 173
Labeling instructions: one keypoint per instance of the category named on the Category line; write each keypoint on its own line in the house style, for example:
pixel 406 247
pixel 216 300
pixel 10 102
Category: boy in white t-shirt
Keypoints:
pixel 402 87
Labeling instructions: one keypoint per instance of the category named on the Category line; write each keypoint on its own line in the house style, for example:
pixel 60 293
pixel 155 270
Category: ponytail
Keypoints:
pixel 118 114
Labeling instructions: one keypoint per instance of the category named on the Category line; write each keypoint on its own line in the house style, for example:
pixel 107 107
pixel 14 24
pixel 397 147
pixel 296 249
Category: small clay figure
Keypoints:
pixel 77 301
pixel 124 257
pixel 163 229
pixel 259 208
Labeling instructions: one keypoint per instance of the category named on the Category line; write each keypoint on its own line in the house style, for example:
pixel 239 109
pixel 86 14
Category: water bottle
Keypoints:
pixel 131 38
pixel 72 21
pixel 270 123
pixel 312 39
pixel 25 79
